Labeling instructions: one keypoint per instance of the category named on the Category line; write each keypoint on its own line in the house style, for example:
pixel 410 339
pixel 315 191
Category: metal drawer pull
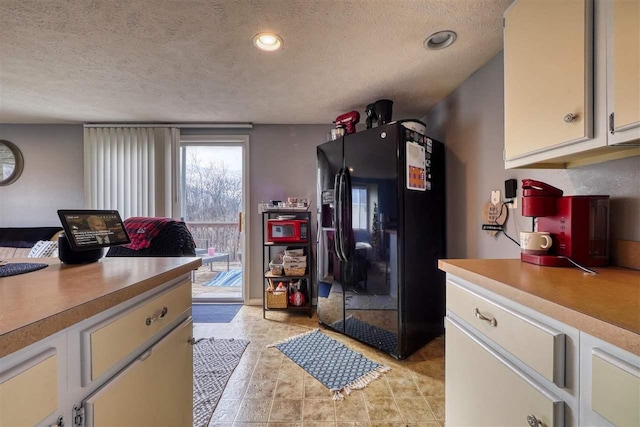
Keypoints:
pixel 533 421
pixel 160 315
pixel 492 321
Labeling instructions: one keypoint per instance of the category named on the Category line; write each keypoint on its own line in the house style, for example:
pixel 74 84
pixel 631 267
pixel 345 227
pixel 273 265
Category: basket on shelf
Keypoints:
pixel 294 269
pixel 275 269
pixel 275 299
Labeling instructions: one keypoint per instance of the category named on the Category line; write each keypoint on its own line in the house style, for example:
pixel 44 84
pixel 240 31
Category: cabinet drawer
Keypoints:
pixel 615 389
pixel 116 338
pixel 29 392
pixel 155 390
pixel 483 389
pixel 537 345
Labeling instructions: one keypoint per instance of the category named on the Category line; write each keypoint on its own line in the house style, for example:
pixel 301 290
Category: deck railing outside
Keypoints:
pixel 224 237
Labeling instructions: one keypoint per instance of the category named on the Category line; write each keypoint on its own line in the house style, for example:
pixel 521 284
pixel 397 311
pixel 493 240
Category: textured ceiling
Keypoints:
pixel 192 61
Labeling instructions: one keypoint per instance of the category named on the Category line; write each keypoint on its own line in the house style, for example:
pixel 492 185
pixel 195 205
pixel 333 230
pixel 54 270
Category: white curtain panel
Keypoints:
pixel 132 170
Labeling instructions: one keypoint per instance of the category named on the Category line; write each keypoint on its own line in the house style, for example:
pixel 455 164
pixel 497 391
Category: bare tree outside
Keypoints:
pixel 213 201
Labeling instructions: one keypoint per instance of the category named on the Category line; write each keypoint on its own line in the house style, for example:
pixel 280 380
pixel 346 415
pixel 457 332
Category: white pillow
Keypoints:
pixel 44 249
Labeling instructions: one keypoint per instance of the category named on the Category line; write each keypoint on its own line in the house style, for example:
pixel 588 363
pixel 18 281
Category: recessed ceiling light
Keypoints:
pixel 267 41
pixel 440 40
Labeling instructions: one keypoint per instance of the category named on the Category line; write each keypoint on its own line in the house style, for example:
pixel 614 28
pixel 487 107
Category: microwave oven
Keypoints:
pixel 287 230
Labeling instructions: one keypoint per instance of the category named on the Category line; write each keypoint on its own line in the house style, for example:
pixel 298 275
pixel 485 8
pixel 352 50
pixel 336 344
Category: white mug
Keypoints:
pixel 535 242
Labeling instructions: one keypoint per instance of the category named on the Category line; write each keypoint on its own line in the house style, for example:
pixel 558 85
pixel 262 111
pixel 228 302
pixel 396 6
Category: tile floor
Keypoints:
pixel 267 389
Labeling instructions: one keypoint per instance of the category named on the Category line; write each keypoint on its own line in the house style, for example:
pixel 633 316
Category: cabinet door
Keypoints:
pixel 29 392
pixel 615 389
pixel 155 390
pixel 483 389
pixel 623 70
pixel 548 80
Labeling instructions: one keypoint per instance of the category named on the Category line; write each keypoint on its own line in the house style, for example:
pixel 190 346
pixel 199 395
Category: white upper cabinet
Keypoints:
pixel 547 78
pixel 567 65
pixel 623 70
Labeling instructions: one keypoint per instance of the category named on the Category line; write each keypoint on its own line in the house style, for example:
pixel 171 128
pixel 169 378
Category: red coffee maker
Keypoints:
pixel 579 225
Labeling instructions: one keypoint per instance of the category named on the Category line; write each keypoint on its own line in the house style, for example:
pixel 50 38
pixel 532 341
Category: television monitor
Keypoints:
pixel 93 229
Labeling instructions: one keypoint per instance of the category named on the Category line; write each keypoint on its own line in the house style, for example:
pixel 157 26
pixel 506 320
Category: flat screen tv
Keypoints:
pixel 92 229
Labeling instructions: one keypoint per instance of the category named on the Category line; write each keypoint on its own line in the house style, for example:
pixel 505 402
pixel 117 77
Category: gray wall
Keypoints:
pixel 470 123
pixel 283 164
pixel 52 178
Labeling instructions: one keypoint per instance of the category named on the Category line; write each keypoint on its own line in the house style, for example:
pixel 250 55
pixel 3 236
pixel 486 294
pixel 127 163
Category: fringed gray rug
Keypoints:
pixel 213 363
pixel 336 366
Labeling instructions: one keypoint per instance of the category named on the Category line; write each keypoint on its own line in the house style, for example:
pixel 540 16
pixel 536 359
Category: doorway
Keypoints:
pixel 213 195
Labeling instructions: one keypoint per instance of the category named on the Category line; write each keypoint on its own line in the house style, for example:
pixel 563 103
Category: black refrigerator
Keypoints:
pixel 381 230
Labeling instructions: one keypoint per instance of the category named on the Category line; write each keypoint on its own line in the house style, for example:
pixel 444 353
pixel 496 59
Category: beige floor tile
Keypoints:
pixel 254 411
pixel 420 424
pixel 433 368
pixel 226 411
pixel 352 408
pixel 430 387
pixel 266 371
pixel 318 410
pixel 437 406
pixel 286 410
pixel 384 410
pixel 235 388
pixel 378 389
pixel 260 389
pixel 279 376
pixel 289 370
pixel 289 389
pixel 402 388
pixel 314 388
pixel 415 410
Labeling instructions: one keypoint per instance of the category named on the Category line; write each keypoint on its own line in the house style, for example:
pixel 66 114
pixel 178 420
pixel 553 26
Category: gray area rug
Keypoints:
pixel 336 366
pixel 213 363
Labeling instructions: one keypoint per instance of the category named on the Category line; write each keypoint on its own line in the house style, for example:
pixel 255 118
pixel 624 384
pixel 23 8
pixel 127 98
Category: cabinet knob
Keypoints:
pixel 568 118
pixel 533 421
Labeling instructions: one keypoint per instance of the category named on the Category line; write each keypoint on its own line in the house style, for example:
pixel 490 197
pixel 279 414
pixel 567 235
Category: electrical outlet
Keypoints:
pixel 514 203
pixel 495 197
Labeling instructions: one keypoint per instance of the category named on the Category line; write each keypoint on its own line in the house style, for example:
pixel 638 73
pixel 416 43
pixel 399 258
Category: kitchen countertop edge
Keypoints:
pixel 613 334
pixel 21 337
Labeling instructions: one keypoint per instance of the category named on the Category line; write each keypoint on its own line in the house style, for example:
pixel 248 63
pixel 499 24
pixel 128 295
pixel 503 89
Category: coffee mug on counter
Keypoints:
pixel 535 242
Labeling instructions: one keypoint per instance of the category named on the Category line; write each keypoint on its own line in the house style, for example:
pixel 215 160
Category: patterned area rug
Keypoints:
pixel 377 337
pixel 226 278
pixel 213 363
pixel 214 313
pixel 336 366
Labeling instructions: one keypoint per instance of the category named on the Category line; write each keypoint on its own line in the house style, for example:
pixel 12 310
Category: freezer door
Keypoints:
pixel 330 306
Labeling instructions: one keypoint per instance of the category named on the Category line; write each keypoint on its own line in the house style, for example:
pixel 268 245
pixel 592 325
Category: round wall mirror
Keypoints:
pixel 11 162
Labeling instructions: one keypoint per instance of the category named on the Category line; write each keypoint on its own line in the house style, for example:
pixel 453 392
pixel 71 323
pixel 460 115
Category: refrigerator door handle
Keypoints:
pixel 346 225
pixel 337 212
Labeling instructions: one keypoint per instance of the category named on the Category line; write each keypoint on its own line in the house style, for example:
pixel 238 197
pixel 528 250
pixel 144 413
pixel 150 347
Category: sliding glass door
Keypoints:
pixel 213 202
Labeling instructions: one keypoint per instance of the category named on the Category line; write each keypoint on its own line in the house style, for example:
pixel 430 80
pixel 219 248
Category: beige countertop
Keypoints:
pixel 606 305
pixel 36 305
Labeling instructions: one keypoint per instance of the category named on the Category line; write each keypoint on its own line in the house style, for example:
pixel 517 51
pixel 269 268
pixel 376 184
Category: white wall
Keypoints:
pixel 470 121
pixel 52 178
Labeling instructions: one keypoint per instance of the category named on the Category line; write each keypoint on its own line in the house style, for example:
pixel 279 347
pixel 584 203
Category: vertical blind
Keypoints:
pixel 132 170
